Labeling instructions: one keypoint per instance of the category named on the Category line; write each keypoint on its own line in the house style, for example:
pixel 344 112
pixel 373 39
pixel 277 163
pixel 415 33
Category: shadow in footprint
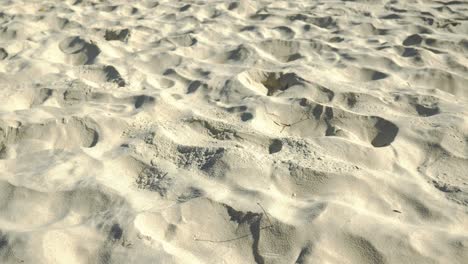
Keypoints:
pixel 142 99
pixel 121 35
pixel 246 117
pixel 410 52
pixel 193 87
pixel 115 232
pixel 275 146
pixel 414 39
pixel 427 111
pixel 387 132
pixel 113 75
pixel 379 76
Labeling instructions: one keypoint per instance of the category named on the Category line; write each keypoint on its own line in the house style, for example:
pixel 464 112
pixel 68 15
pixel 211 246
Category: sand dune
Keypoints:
pixel 212 131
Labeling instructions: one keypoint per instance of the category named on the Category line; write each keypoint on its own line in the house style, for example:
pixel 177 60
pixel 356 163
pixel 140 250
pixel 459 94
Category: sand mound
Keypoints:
pixel 78 51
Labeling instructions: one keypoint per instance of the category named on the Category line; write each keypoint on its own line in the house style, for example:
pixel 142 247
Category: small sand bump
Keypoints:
pixel 78 51
pixel 273 82
pixel 100 74
pixel 183 40
pixel 72 45
pixel 281 49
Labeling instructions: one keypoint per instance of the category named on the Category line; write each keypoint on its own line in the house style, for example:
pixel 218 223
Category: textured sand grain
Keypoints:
pixel 244 131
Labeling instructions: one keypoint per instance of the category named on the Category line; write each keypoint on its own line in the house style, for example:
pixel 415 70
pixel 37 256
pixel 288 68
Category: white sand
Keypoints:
pixel 216 131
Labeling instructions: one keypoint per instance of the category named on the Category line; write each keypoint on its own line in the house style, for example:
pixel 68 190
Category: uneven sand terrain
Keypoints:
pixel 218 131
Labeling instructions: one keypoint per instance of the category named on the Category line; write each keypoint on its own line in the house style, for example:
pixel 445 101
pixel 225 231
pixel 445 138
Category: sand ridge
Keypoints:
pixel 213 131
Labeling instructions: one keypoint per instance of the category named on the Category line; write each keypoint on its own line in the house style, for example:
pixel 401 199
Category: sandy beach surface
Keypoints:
pixel 216 131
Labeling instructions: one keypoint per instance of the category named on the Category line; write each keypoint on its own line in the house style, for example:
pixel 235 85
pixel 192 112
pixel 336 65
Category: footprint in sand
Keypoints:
pixel 78 51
